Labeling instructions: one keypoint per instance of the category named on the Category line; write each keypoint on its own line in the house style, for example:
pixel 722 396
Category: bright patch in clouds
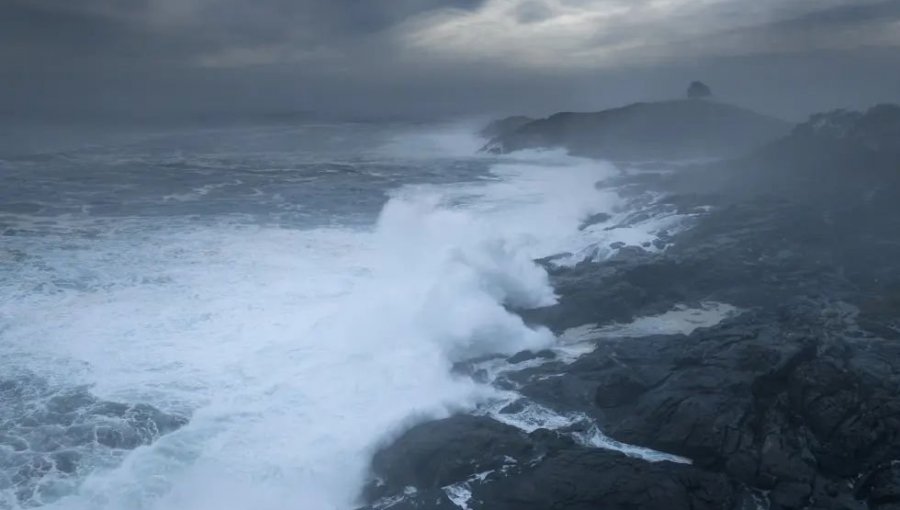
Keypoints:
pixel 598 33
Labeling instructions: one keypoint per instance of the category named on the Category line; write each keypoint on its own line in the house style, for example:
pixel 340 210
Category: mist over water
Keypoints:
pixel 298 306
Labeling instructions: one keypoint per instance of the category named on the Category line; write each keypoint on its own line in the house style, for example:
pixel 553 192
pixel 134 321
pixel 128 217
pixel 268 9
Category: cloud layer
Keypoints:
pixel 609 33
pixel 426 56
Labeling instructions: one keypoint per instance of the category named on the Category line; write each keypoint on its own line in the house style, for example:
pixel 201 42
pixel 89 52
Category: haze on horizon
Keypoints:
pixel 430 58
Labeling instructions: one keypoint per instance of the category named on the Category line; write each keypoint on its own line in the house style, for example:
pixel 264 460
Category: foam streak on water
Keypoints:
pixel 681 320
pixel 294 351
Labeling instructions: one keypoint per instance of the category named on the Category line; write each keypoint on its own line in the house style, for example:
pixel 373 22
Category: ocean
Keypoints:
pixel 238 317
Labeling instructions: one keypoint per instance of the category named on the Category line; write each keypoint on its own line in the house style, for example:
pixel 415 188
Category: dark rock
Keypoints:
pixel 581 478
pixel 789 495
pixel 440 453
pixel 776 400
pixel 699 90
pixel 792 404
pixel 618 388
pixel 504 126
pixel 877 129
pixel 669 130
pixel 538 470
pixel 881 488
pixel 594 219
pixel 530 355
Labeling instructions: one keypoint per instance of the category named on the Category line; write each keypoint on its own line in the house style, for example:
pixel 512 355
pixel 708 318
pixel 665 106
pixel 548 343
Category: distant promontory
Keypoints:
pixel 693 128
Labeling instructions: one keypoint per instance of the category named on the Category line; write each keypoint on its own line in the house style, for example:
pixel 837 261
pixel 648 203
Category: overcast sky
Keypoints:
pixel 433 58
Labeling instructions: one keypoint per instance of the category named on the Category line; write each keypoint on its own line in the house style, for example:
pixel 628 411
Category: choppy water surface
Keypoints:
pixel 235 318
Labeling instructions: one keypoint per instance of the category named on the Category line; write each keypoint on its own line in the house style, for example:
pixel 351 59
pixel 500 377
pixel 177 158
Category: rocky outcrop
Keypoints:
pixel 877 129
pixel 480 463
pixel 833 156
pixel 502 127
pixel 668 130
pixel 791 404
pixel 794 407
pixel 785 401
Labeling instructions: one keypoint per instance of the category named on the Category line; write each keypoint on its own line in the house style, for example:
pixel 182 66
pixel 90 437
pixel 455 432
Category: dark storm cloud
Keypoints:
pixel 152 32
pixel 856 25
pixel 433 56
pixel 29 28
pixel 852 14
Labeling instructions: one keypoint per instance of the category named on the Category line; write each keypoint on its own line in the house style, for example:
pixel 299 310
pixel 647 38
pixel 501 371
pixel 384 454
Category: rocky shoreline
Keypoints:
pixel 790 401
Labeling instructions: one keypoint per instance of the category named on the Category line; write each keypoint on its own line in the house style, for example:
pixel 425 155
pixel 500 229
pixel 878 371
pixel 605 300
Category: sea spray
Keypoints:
pixel 293 351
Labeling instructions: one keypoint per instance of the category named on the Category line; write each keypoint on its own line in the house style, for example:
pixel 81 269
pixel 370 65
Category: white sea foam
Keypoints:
pixel 596 438
pixel 681 320
pixel 531 416
pixel 574 342
pixel 459 494
pixel 296 351
pixel 293 351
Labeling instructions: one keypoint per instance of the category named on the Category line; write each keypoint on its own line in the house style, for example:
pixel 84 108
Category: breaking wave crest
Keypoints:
pixel 292 353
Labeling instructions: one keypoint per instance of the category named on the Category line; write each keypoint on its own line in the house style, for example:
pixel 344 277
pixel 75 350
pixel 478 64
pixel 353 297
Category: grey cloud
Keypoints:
pixel 158 29
pixel 355 56
pixel 848 14
pixel 532 12
pixel 845 26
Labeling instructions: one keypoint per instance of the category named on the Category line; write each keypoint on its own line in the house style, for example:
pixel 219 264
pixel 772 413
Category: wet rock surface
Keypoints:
pixel 499 466
pixel 792 402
